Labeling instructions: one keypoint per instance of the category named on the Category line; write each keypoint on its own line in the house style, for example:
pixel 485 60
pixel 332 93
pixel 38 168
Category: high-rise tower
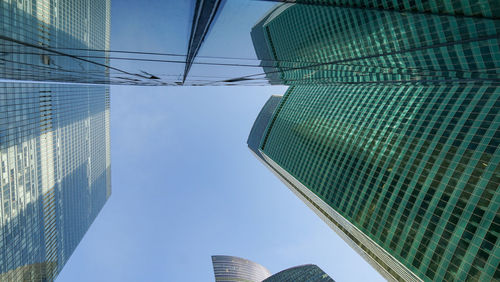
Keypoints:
pixel 230 268
pixel 54 138
pixel 390 132
pixel 301 273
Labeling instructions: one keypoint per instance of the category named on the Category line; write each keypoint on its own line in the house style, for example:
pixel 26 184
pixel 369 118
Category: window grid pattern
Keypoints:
pixel 54 174
pixel 230 268
pixel 54 138
pixel 392 120
pixel 483 8
pixel 416 167
pixel 302 273
pixel 348 45
pixel 70 27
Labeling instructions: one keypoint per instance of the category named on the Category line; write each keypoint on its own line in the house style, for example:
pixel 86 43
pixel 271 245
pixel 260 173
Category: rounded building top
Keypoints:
pixel 301 273
pixel 230 268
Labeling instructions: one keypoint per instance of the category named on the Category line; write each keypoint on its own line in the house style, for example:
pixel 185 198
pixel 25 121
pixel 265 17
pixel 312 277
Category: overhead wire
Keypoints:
pixel 437 45
pixel 432 35
pixel 277 64
pixel 148 53
pixel 3 37
pixel 419 71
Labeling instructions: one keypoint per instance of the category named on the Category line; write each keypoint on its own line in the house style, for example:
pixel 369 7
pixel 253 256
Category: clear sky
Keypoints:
pixel 185 186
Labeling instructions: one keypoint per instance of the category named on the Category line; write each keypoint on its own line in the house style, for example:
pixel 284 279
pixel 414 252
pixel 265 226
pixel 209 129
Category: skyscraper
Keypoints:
pixel 390 133
pixel 205 12
pixel 485 9
pixel 352 45
pixel 61 41
pixel 229 268
pixel 235 269
pixel 54 138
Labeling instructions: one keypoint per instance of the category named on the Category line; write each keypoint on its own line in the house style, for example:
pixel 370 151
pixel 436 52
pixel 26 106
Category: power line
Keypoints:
pixel 146 53
pixel 235 80
pixel 421 71
pixel 61 53
pixel 437 45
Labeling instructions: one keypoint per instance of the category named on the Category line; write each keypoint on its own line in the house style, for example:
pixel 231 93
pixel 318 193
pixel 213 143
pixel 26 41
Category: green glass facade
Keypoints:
pixel 308 44
pixel 483 8
pixel 428 198
pixel 390 131
pixel 302 273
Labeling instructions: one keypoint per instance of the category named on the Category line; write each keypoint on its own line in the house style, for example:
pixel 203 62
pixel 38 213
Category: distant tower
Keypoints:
pixel 229 268
pixel 302 273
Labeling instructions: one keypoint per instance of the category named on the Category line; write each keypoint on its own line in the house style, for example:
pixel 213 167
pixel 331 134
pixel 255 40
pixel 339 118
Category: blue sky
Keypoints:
pixel 185 186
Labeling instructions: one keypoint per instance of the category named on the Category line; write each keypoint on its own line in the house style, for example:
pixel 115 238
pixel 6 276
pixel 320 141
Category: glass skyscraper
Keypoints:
pixel 389 131
pixel 302 273
pixel 62 41
pixel 54 137
pixel 205 12
pixel 230 268
pixel 485 8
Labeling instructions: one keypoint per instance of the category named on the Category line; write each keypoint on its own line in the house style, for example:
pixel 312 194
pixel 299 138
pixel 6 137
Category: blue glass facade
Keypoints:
pixel 302 273
pixel 46 40
pixel 54 138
